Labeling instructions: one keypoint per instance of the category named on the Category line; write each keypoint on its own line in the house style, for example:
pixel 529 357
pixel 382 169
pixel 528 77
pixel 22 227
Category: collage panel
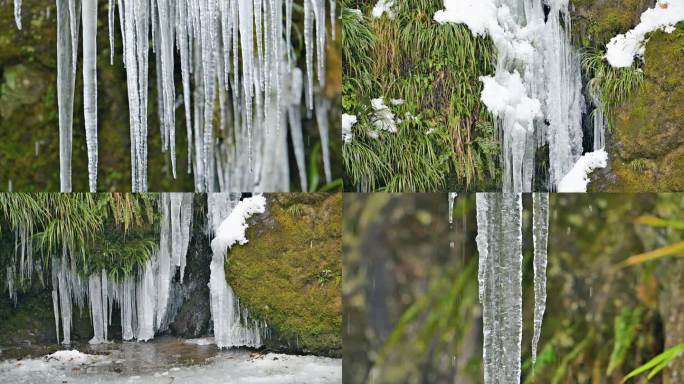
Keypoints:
pixel 513 95
pixel 170 96
pixel 508 288
pixel 170 287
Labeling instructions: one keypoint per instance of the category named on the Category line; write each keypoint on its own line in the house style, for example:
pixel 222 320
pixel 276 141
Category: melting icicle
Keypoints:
pixel 452 198
pixel 90 87
pixel 499 243
pixel 540 229
pixel 229 331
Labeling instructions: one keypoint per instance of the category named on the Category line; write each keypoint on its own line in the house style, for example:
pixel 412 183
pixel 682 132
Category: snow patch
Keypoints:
pixel 72 357
pixel 506 97
pixel 348 122
pixel 383 6
pixel 622 48
pixel 383 116
pixel 478 15
pixel 576 181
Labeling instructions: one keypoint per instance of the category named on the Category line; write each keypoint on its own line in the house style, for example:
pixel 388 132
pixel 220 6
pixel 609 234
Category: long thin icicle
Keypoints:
pixel 540 230
pixel 90 87
pixel 65 92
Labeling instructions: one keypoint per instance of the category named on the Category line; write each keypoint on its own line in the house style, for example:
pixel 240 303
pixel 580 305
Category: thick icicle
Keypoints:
pixel 90 87
pixel 499 242
pixel 229 330
pixel 95 294
pixel 146 303
pixel 540 230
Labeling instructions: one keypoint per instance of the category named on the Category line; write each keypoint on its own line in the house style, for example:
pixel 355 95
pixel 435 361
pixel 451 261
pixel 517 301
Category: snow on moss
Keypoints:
pixel 623 48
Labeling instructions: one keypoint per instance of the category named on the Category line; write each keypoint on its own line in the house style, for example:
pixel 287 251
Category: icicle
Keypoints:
pixel 90 87
pixel 17 13
pixel 308 45
pixel 96 309
pixel 111 9
pixel 322 109
pixel 145 298
pixel 165 53
pixel 499 242
pixel 295 118
pixel 452 197
pixel 540 228
pixel 229 331
pixel 333 19
pixel 55 298
pixel 163 262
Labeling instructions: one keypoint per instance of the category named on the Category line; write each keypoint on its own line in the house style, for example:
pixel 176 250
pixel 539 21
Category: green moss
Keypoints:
pixel 649 126
pixel 278 274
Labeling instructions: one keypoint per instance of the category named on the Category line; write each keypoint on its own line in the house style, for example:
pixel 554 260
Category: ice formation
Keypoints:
pixel 142 298
pixel 623 48
pixel 578 178
pixel 540 231
pixel 452 198
pixel 348 121
pixel 536 65
pixel 227 220
pixel 499 244
pixel 238 50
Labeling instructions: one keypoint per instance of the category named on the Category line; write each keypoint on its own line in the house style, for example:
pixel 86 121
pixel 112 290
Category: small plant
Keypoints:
pixel 325 276
pixel 638 165
pixel 296 210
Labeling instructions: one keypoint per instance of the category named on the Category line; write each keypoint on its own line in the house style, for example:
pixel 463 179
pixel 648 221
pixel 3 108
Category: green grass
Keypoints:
pixel 613 86
pixel 435 69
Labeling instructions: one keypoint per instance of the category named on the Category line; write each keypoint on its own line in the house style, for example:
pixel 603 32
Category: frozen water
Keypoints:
pixel 540 230
pixel 238 367
pixel 232 326
pixel 499 243
pixel 452 198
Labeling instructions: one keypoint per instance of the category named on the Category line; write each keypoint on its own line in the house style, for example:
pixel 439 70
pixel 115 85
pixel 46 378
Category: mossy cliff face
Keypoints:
pixel 29 124
pixel 646 146
pixel 289 274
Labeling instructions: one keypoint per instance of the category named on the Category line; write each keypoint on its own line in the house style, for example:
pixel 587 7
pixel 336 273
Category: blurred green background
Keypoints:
pixel 411 311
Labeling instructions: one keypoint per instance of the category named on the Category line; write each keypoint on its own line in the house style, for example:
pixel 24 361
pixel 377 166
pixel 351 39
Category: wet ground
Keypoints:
pixel 164 360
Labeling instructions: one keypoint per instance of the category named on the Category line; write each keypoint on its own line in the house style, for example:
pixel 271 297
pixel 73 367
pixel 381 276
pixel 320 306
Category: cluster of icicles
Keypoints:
pixel 147 300
pixel 499 242
pixel 238 49
pixel 537 91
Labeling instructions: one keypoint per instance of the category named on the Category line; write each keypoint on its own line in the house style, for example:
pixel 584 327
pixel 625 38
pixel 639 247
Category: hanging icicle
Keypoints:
pixel 499 241
pixel 540 230
pixel 17 13
pixel 90 87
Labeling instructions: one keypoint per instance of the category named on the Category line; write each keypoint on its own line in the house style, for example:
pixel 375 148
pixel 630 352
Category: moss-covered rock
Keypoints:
pixel 595 22
pixel 647 143
pixel 289 273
